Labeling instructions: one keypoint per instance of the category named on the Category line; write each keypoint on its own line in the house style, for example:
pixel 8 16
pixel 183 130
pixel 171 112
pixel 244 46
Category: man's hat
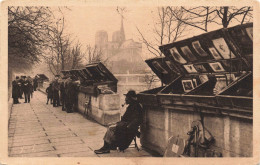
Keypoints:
pixel 132 94
pixel 17 77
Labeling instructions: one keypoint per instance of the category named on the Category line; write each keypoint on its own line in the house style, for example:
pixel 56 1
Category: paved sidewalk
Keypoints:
pixel 40 130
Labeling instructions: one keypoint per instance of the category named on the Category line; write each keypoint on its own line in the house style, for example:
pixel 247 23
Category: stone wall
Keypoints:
pixel 105 108
pixel 234 136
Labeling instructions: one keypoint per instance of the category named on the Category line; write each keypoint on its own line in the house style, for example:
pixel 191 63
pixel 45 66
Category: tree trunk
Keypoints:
pixel 225 19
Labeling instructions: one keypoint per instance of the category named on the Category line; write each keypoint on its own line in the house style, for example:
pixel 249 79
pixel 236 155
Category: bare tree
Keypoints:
pixel 95 54
pixel 201 16
pixel 167 29
pixel 150 78
pixel 63 55
pixel 28 34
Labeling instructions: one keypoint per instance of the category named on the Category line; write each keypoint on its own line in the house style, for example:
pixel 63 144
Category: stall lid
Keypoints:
pixel 221 51
pixel 99 73
pixel 43 76
pixel 163 68
pixel 65 72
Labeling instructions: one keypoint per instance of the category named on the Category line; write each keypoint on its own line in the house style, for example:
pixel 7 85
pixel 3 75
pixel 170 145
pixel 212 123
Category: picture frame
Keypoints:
pixel 217 67
pixel 222 47
pixel 170 65
pixel 200 68
pixel 197 47
pixel 215 54
pixel 190 68
pixel 187 85
pixel 195 82
pixel 176 55
pixel 187 52
pixel 159 68
pixel 203 78
pixel 249 32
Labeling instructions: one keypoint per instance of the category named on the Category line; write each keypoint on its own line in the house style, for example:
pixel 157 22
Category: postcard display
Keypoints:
pixel 97 95
pixel 207 76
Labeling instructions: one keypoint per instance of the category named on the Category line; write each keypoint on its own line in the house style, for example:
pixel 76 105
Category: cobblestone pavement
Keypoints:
pixel 40 130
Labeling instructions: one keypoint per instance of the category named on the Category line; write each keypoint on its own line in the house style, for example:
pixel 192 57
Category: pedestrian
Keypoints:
pixel 122 134
pixel 31 86
pixel 21 81
pixel 74 93
pixel 62 93
pixel 35 83
pixel 26 90
pixel 15 90
pixel 68 93
pixel 55 89
pixel 49 93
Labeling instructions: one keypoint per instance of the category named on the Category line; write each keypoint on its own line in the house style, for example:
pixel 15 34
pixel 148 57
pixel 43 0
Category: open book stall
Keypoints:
pixel 209 78
pixel 97 95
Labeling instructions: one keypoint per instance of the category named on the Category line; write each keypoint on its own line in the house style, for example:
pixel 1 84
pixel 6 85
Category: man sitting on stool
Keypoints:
pixel 122 134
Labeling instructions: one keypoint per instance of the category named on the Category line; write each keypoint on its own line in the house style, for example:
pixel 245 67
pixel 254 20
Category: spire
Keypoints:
pixel 122 31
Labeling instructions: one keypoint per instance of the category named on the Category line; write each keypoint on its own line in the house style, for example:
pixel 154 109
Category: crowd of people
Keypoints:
pixel 23 86
pixel 63 92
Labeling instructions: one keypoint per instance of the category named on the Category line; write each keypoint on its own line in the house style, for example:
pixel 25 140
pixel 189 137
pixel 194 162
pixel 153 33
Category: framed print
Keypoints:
pixel 214 53
pixel 187 52
pixel 177 57
pixel 170 65
pixel 223 48
pixel 249 32
pixel 203 78
pixel 216 67
pixel 187 85
pixel 159 68
pixel 190 68
pixel 195 82
pixel 200 68
pixel 196 45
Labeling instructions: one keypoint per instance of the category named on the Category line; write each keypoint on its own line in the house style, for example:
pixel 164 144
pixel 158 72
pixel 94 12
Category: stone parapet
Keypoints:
pixel 105 108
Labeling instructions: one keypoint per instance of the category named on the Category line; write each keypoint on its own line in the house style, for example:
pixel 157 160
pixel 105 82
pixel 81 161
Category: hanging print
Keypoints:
pixel 223 49
pixel 196 45
pixel 177 57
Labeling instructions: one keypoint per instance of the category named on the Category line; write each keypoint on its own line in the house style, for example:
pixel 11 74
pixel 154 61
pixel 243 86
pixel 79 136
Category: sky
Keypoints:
pixel 84 22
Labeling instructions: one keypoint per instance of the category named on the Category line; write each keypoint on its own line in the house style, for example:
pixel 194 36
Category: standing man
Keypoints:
pixel 15 91
pixel 21 81
pixel 122 134
pixel 68 93
pixel 35 83
pixel 26 90
pixel 62 93
pixel 55 90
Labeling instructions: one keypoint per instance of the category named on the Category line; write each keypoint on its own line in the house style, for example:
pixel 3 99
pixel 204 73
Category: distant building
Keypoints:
pixel 122 56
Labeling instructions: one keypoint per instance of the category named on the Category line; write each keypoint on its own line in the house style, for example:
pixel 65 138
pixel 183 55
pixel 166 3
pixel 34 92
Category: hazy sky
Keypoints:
pixel 83 22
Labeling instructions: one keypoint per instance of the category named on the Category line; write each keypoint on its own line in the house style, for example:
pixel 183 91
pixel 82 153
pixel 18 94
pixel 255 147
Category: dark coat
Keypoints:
pixel 15 89
pixel 49 91
pixel 26 86
pixel 127 128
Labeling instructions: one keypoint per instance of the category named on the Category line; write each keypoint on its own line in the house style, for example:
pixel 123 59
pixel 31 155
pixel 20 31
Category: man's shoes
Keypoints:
pixel 102 151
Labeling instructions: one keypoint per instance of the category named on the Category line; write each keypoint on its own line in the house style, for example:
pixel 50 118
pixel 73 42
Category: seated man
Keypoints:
pixel 122 134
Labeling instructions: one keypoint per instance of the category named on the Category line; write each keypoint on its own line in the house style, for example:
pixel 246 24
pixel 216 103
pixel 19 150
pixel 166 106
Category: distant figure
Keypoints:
pixel 35 83
pixel 31 86
pixel 56 89
pixel 49 93
pixel 122 134
pixel 21 81
pixel 62 93
pixel 68 93
pixel 15 91
pixel 26 90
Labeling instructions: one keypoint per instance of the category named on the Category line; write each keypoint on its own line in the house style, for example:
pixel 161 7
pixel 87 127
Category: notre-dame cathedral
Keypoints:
pixel 120 54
